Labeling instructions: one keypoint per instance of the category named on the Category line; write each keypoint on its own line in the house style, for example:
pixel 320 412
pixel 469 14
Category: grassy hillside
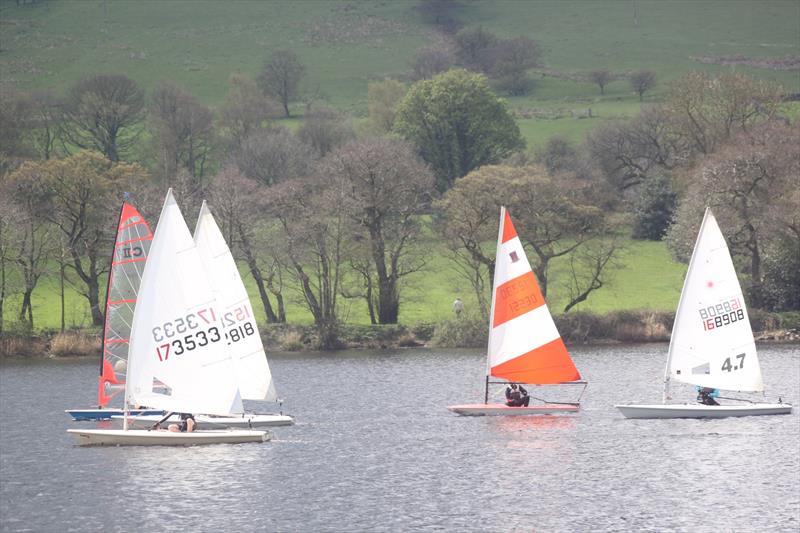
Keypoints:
pixel 345 44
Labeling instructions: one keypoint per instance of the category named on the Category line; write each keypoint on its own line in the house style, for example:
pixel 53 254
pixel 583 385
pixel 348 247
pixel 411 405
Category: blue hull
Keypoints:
pixel 106 414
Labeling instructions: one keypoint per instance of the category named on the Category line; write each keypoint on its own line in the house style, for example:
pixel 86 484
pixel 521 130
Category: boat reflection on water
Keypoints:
pixel 553 432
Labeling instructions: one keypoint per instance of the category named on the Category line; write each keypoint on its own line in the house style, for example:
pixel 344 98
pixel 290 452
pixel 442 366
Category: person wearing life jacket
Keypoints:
pixel 186 425
pixel 517 396
pixel 706 395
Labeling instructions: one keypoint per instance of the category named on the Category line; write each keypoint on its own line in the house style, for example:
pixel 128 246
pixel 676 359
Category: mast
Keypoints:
pixel 665 393
pixel 491 311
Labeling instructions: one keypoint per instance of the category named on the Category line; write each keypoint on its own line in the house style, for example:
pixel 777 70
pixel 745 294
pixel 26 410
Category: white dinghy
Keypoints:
pixel 712 342
pixel 524 345
pixel 247 420
pixel 179 359
pixel 239 323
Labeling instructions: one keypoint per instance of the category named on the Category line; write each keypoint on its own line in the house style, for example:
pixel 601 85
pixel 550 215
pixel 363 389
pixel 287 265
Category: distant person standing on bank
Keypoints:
pixel 458 306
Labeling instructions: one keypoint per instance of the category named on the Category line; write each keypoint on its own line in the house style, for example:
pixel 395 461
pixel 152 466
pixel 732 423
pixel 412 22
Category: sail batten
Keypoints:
pixel 524 343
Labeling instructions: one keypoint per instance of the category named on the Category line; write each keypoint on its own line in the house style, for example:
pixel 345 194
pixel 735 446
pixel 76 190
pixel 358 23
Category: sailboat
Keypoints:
pixel 712 342
pixel 238 320
pixel 525 346
pixel 179 359
pixel 131 247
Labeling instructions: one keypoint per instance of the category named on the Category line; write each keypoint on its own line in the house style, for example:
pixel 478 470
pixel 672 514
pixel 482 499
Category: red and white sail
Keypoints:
pixel 524 344
pixel 131 247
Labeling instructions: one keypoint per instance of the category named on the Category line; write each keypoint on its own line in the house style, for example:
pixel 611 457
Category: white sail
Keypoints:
pixel 179 358
pixel 236 312
pixel 712 343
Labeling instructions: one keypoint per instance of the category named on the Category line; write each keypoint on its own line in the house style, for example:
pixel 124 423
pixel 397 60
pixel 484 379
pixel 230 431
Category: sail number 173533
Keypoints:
pixel 186 333
pixel 721 314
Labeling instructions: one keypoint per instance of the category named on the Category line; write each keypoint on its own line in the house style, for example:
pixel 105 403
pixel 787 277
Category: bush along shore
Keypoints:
pixel 462 332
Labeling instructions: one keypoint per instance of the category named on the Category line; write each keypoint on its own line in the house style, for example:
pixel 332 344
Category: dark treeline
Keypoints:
pixel 334 210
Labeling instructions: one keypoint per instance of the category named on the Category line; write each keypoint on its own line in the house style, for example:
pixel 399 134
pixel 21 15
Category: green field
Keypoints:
pixel 345 44
pixel 648 279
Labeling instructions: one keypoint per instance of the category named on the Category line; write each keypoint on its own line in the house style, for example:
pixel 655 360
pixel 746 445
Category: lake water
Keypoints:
pixel 375 449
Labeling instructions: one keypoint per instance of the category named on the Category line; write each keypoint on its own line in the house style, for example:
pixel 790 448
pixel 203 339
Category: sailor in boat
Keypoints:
pixel 517 396
pixel 186 425
pixel 706 395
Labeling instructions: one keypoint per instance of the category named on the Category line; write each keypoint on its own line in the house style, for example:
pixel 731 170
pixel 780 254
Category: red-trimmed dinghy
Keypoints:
pixel 524 345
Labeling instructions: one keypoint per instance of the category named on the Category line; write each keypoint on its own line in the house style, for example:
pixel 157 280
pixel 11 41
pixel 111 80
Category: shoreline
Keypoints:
pixel 83 345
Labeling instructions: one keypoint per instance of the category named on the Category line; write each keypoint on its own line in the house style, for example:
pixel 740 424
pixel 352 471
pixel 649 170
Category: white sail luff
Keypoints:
pixel 494 290
pixel 179 358
pixel 712 342
pixel 250 361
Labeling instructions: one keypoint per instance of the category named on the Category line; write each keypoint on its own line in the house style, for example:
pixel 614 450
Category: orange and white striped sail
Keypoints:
pixel 524 344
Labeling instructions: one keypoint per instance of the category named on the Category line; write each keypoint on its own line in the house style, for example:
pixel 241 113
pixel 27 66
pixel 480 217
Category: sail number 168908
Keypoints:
pixel 722 314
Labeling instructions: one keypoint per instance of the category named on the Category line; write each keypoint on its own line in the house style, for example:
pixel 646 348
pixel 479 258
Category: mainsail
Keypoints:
pixel 236 312
pixel 180 360
pixel 524 344
pixel 712 342
pixel 131 248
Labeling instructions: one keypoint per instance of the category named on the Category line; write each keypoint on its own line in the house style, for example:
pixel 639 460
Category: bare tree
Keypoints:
pixel 281 77
pixel 104 113
pixel 557 155
pixel 643 81
pixel 441 13
pixel 430 61
pixel 316 247
pixel 383 97
pixel 629 152
pixel 473 48
pixel 79 190
pixel 245 110
pixel 601 78
pixel 7 218
pixel 16 113
pixel 183 133
pixel 31 240
pixel 511 59
pixel 385 187
pixel 274 155
pixel 706 111
pixel 239 205
pixel 325 129
pixel 752 181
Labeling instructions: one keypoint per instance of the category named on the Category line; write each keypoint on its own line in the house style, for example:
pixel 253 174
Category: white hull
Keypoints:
pixel 499 409
pixel 141 437
pixel 702 411
pixel 214 422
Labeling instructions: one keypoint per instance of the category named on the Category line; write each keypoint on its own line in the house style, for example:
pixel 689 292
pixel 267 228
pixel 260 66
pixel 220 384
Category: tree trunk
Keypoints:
pixel 757 287
pixel 26 311
pixel 388 302
pixel 94 301
pixel 61 283
pixel 259 279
